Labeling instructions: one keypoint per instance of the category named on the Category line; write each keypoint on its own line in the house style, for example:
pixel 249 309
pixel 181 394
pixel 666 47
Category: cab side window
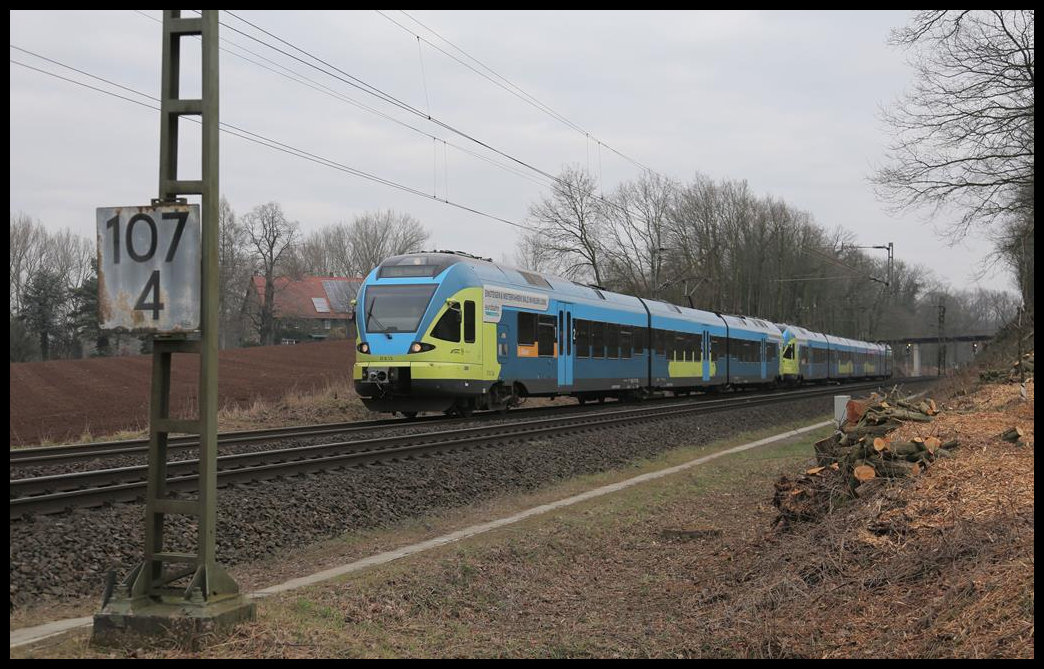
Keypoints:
pixel 469 322
pixel 448 327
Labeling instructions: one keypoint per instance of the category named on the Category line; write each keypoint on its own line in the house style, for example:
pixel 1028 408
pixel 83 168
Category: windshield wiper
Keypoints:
pixel 376 321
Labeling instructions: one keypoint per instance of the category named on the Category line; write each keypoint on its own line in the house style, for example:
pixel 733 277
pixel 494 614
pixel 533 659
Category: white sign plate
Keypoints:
pixel 149 271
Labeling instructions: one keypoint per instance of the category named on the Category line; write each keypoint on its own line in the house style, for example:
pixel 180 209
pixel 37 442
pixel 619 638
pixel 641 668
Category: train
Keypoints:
pixel 450 332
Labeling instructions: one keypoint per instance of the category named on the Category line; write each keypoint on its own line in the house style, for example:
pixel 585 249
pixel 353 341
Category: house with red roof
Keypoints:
pixel 305 308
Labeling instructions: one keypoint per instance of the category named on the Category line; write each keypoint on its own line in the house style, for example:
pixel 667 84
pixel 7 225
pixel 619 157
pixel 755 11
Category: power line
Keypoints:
pixel 405 106
pixel 264 141
pixel 555 182
pixel 508 85
pixel 303 80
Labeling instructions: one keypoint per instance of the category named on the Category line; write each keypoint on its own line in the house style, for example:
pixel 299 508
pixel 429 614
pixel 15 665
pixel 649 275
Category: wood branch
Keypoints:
pixel 904 449
pixel 868 486
pixel 911 415
pixel 1012 434
pixel 873 430
pixel 897 468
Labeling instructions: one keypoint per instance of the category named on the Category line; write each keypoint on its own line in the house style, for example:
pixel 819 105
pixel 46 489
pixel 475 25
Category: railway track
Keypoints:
pixel 58 493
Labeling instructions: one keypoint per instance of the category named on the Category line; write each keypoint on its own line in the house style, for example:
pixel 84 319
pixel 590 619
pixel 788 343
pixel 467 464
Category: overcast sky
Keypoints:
pixel 787 101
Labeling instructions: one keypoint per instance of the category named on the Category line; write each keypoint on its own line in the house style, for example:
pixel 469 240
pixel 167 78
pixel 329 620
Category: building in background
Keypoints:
pixel 305 309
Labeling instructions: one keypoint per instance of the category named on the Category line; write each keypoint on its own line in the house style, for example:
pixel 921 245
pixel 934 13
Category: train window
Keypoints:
pixel 625 342
pixel 597 340
pixel 788 352
pixel 396 308
pixel 612 340
pixel 448 327
pixel 527 328
pixel 546 335
pixel 719 348
pixel 639 340
pixel 696 346
pixel 771 351
pixel 583 339
pixel 469 321
pixel 678 352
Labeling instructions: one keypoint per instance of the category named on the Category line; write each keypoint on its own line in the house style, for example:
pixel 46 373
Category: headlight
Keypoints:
pixel 363 347
pixel 420 347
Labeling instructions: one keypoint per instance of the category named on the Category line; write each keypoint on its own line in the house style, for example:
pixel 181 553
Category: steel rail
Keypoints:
pixel 58 493
pixel 70 453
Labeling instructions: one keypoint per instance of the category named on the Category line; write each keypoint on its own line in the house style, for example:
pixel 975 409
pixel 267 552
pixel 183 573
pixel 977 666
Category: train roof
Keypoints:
pixel 759 325
pixel 432 263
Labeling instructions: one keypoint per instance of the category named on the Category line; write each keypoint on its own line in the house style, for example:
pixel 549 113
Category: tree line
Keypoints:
pixel 718 246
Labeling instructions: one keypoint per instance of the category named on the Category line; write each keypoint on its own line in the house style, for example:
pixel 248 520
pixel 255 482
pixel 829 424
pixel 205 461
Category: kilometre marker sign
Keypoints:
pixel 149 268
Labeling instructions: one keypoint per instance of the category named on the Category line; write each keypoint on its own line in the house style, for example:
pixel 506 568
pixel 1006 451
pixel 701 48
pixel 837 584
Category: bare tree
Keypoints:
pixel 637 233
pixel 1014 246
pixel 234 270
pixel 964 132
pixel 373 237
pixel 318 251
pixel 570 223
pixel 531 253
pixel 271 238
pixel 27 247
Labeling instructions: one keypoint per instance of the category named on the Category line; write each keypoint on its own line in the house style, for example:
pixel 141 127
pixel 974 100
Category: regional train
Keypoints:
pixel 447 331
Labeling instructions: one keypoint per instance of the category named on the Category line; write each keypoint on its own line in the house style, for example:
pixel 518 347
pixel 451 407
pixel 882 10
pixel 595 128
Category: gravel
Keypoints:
pixel 67 556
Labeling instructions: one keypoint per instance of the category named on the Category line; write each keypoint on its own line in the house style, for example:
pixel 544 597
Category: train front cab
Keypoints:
pixel 805 355
pixel 422 344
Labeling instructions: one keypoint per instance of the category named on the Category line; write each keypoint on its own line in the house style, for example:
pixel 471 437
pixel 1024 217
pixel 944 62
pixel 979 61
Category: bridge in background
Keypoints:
pixel 950 351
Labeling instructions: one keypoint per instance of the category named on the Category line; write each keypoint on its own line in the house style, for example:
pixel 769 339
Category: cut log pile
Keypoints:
pixel 864 452
pixel 1021 369
pixel 860 456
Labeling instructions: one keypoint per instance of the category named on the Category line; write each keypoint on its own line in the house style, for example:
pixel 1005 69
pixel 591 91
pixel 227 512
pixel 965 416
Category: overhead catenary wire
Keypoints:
pixel 508 85
pixel 387 97
pixel 554 182
pixel 264 141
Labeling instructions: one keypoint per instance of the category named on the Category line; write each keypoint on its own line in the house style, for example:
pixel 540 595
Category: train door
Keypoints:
pixel 705 361
pixel 566 354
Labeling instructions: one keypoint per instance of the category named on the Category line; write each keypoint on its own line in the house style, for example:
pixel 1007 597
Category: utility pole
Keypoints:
pixel 942 347
pixel 174 593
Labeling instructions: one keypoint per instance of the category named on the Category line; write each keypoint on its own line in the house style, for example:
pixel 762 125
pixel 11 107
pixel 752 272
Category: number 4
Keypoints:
pixel 155 305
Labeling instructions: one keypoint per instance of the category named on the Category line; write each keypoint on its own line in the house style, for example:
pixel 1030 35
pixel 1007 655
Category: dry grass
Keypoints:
pixel 337 402
pixel 941 565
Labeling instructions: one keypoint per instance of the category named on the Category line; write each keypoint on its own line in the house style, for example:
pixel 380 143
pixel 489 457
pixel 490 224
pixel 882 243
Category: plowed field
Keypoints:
pixel 61 400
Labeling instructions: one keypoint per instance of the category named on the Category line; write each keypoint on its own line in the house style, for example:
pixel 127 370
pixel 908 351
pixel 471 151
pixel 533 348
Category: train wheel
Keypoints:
pixel 410 414
pixel 581 400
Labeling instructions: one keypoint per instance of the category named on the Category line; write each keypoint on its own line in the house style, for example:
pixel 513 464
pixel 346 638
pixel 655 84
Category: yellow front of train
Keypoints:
pixel 423 344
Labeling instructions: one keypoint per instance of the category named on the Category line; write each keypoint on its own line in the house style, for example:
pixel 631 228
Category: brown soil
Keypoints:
pixel 65 400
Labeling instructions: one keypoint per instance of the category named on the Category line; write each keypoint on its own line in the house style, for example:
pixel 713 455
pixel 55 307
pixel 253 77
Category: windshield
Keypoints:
pixel 396 308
